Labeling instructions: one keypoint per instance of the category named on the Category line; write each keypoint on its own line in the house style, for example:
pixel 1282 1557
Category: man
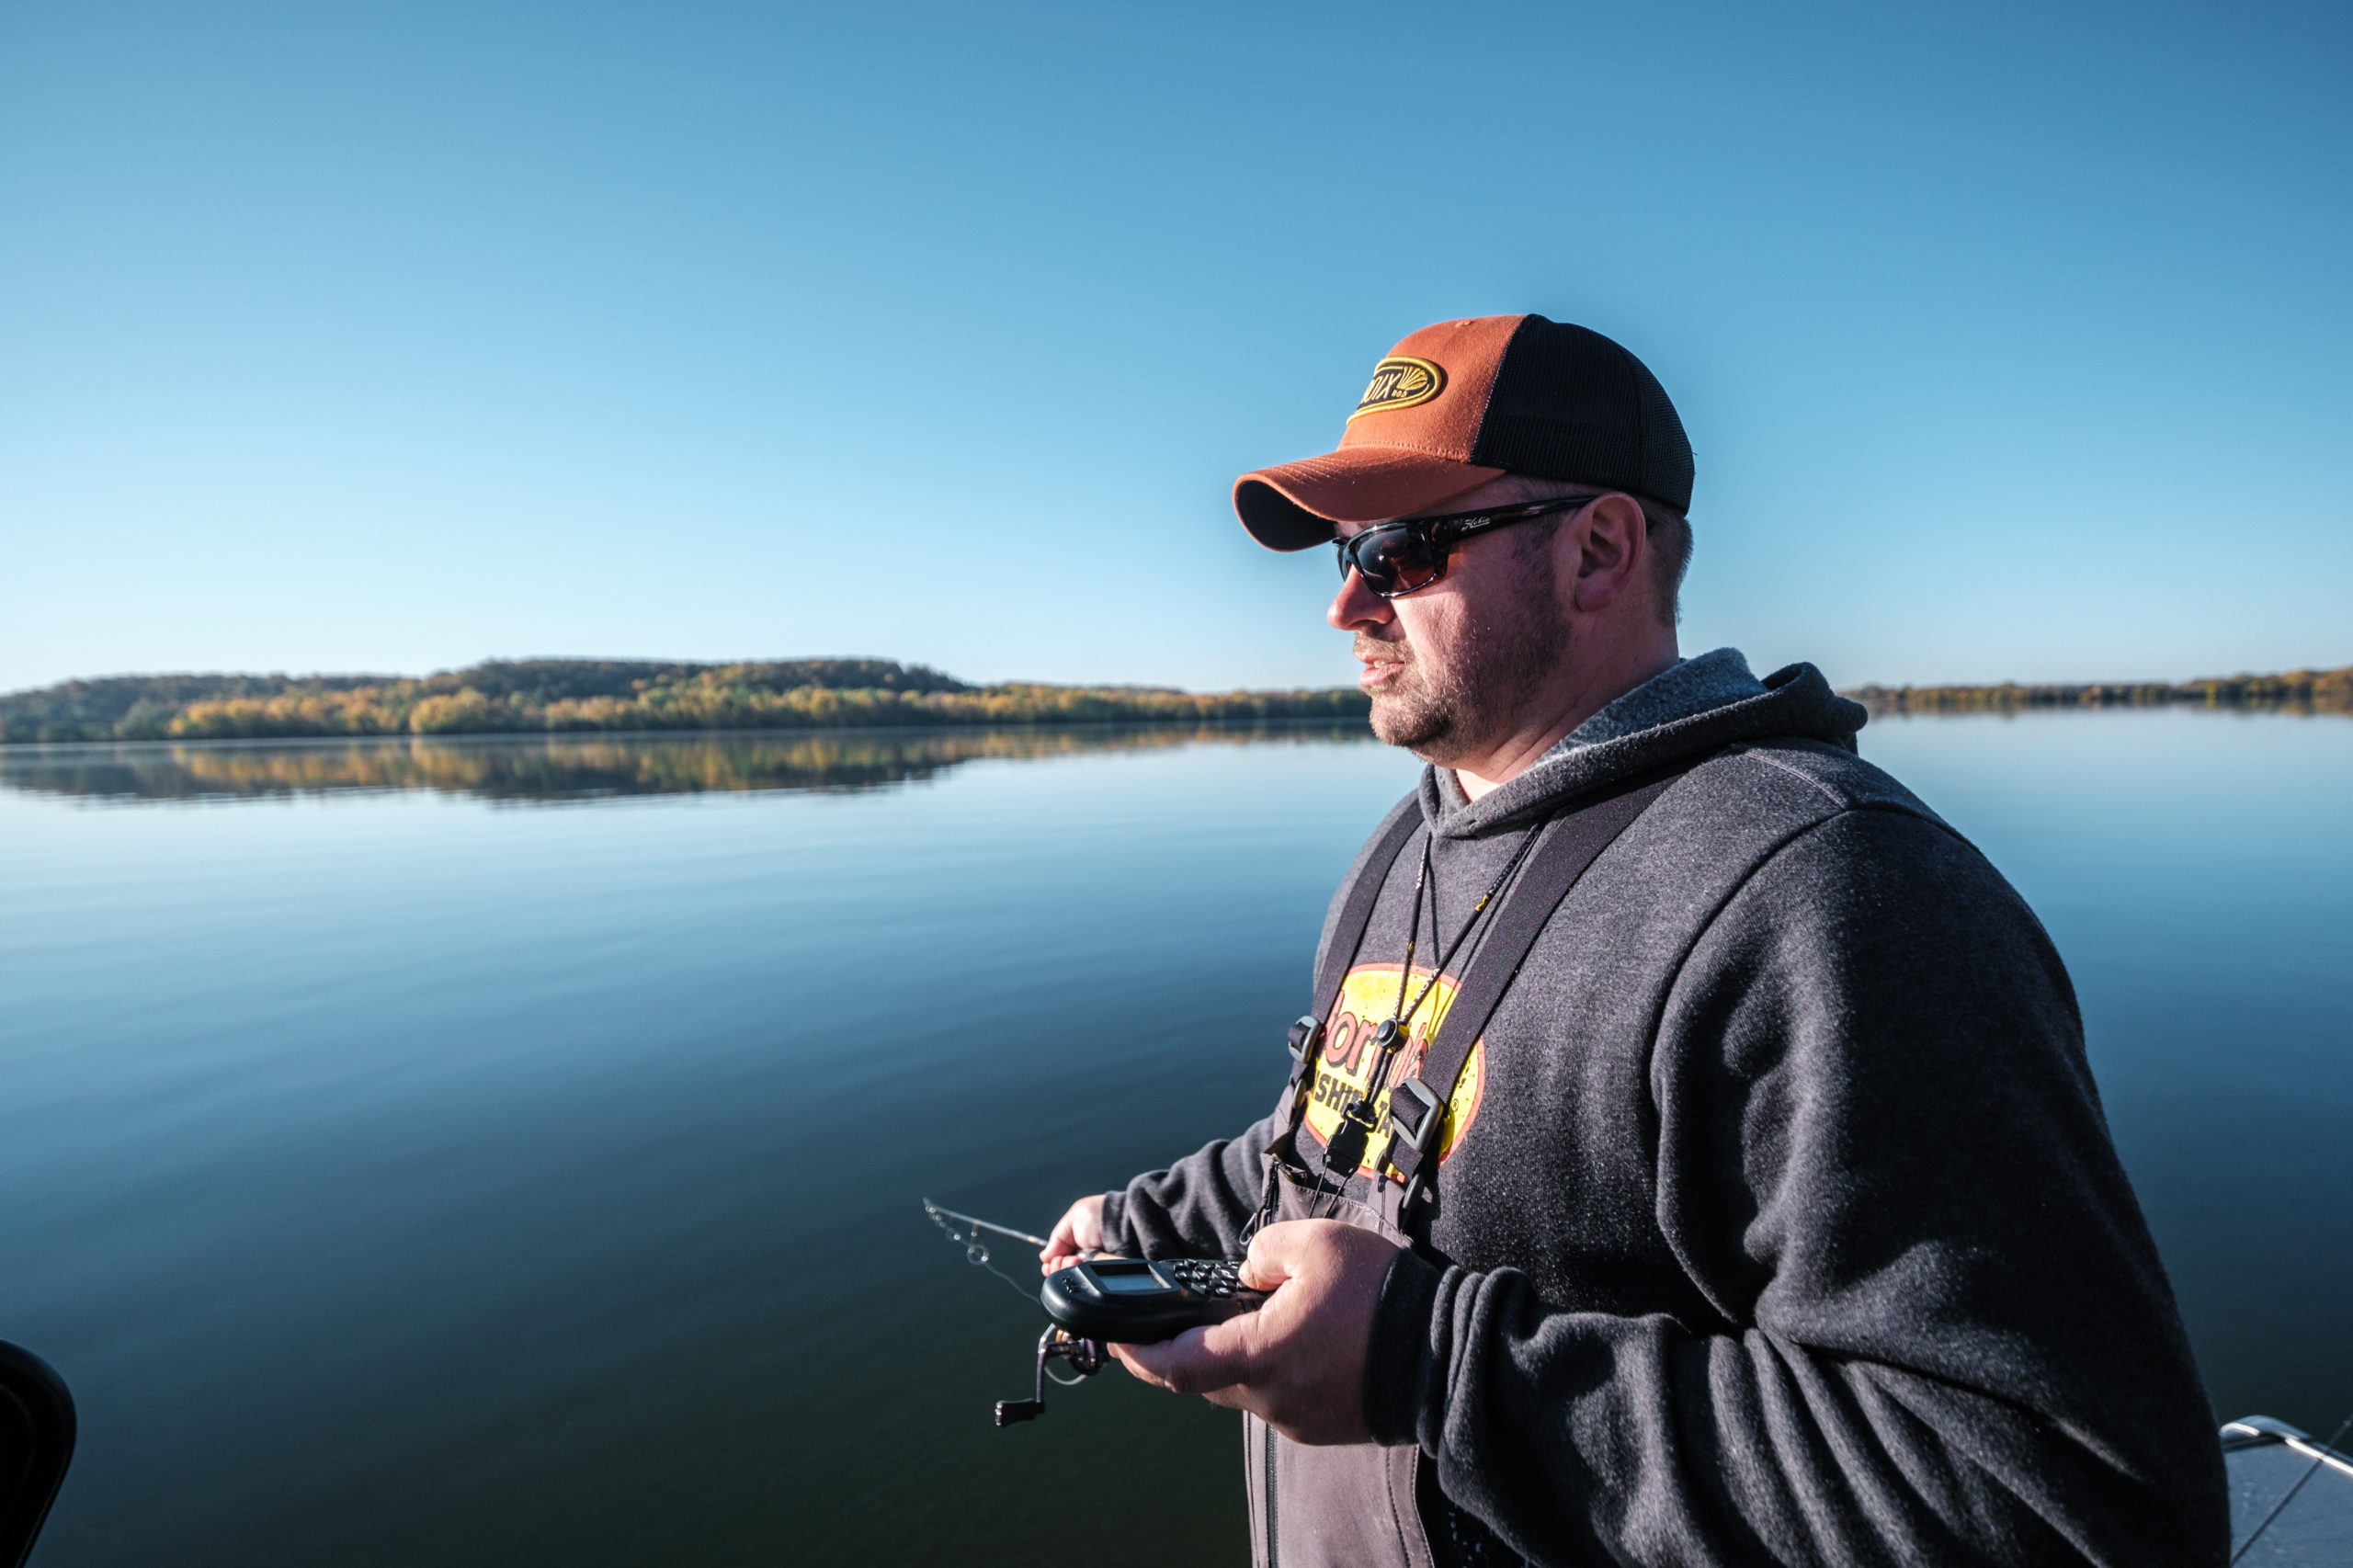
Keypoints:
pixel 1766 1214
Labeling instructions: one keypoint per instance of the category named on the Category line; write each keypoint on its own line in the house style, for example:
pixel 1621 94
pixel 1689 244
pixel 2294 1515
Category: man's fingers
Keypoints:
pixel 1078 1234
pixel 1200 1360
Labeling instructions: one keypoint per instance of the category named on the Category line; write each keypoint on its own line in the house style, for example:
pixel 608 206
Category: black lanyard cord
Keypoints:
pixel 1356 1125
pixel 1402 1015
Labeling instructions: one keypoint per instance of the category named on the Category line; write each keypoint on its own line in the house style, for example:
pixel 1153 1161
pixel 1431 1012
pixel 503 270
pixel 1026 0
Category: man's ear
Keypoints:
pixel 1610 545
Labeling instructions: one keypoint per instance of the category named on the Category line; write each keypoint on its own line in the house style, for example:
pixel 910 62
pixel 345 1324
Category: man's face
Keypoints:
pixel 1451 670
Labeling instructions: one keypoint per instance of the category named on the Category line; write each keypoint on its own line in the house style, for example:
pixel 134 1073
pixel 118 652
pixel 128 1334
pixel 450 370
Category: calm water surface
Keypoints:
pixel 509 1151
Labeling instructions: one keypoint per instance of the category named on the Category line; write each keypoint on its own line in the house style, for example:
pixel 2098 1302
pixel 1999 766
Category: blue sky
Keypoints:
pixel 2012 342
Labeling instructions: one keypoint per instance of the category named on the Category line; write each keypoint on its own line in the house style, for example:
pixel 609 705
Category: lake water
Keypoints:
pixel 509 1152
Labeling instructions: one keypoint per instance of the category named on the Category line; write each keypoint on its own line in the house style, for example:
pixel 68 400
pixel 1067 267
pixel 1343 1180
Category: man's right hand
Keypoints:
pixel 1076 1235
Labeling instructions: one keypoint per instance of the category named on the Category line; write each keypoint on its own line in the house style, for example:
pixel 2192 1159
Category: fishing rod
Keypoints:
pixel 940 1216
pixel 1086 1356
pixel 965 1232
pixel 1099 1299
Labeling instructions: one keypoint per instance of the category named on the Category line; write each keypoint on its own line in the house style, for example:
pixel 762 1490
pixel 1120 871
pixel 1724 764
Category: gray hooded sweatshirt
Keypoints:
pixel 1777 1222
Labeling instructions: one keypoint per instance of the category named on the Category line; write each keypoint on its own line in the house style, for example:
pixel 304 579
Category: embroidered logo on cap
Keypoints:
pixel 1401 383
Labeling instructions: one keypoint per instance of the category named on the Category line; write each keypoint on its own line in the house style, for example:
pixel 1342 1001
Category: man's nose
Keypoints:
pixel 1355 606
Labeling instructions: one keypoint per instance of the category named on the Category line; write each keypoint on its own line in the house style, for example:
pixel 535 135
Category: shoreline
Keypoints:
pixel 813 731
pixel 554 697
pixel 2300 692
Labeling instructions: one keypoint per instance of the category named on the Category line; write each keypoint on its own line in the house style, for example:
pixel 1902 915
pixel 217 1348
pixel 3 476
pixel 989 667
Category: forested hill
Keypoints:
pixel 510 695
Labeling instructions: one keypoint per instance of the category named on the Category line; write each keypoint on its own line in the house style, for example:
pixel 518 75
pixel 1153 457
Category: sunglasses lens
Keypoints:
pixel 1392 560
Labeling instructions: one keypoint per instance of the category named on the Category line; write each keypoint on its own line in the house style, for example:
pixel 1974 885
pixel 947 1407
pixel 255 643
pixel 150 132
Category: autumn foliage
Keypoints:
pixel 574 694
pixel 2303 691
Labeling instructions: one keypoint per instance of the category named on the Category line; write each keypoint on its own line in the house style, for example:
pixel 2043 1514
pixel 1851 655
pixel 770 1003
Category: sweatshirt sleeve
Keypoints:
pixel 1940 1333
pixel 1196 1207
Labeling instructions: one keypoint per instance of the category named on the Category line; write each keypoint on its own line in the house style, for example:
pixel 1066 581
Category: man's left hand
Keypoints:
pixel 1298 1362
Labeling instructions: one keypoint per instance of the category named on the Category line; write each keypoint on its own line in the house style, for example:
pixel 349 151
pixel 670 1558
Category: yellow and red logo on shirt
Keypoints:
pixel 1367 999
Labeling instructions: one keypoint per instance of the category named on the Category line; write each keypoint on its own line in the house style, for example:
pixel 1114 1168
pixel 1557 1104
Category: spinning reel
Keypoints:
pixel 1085 1357
pixel 1099 1299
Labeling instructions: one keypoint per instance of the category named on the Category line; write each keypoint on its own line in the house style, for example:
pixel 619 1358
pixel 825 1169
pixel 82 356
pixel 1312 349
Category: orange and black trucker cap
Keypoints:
pixel 1457 404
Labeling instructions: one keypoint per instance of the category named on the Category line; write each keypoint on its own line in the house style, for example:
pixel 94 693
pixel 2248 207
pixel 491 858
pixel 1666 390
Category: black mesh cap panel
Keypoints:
pixel 1568 403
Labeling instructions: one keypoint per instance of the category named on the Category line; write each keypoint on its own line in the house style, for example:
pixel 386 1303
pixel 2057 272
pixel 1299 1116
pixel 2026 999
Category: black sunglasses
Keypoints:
pixel 1405 557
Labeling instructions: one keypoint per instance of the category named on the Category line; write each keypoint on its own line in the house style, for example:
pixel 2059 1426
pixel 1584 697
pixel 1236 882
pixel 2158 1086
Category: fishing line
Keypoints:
pixel 965 1232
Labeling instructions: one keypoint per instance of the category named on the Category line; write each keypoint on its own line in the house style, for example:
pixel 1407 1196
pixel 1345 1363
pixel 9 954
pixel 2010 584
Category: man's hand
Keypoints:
pixel 1297 1362
pixel 1076 1234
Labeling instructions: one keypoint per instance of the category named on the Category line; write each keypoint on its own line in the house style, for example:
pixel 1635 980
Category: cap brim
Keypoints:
pixel 1294 506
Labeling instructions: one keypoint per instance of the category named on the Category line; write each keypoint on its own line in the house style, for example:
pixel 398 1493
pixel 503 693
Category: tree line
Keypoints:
pixel 559 696
pixel 512 695
pixel 2303 691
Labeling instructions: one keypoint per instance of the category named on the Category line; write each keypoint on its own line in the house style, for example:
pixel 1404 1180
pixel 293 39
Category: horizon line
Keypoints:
pixel 1890 688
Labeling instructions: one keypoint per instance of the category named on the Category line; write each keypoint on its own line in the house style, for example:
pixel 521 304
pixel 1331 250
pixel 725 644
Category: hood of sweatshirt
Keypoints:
pixel 1693 707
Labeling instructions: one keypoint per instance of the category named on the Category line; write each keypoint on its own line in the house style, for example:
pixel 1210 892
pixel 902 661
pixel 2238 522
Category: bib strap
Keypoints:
pixel 1417 1106
pixel 1347 936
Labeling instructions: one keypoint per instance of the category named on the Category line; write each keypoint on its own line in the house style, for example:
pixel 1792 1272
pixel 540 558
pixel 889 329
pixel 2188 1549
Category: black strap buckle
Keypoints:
pixel 1416 1114
pixel 1306 1035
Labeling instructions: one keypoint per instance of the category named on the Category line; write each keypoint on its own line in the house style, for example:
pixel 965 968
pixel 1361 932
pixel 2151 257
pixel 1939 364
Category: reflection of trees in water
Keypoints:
pixel 565 768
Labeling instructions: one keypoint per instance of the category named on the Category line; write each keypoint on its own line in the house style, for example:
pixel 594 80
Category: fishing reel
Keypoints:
pixel 1086 1357
pixel 1099 1299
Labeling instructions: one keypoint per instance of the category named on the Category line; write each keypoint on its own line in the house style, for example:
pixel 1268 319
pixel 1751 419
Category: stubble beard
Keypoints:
pixel 1410 710
pixel 1459 710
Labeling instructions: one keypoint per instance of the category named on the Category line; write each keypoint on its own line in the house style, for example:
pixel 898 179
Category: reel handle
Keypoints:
pixel 1085 1357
